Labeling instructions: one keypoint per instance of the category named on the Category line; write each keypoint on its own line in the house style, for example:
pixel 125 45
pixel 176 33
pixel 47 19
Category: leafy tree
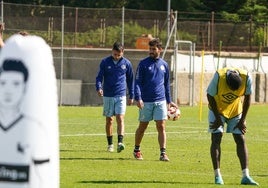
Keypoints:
pixel 257 8
pixel 220 5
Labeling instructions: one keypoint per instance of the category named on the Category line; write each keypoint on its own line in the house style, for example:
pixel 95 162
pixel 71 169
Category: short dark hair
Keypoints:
pixel 155 42
pixel 233 79
pixel 23 33
pixel 15 65
pixel 118 46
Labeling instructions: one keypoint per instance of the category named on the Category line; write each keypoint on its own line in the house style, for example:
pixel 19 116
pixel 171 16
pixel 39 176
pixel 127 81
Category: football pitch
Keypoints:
pixel 84 161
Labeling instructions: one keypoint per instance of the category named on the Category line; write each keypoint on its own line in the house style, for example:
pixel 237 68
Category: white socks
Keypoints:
pixel 245 172
pixel 217 172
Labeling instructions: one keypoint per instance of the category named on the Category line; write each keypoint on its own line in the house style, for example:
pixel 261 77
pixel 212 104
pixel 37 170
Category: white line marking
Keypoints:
pixel 148 133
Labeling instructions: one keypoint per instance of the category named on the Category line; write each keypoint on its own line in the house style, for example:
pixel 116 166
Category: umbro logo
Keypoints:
pixel 230 97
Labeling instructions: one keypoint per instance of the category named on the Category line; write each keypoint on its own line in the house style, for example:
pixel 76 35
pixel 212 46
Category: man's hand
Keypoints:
pixel 130 101
pixel 216 124
pixel 241 126
pixel 172 104
pixel 140 104
pixel 100 92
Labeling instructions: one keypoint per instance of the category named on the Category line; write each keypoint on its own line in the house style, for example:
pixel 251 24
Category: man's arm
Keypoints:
pixel 99 79
pixel 213 106
pixel 130 83
pixel 246 105
pixel 242 122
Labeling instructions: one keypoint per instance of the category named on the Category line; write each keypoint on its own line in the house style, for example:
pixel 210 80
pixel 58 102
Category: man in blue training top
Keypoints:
pixel 114 77
pixel 152 93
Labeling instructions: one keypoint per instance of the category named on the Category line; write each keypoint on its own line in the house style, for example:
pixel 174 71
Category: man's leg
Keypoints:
pixel 241 150
pixel 242 153
pixel 161 129
pixel 109 133
pixel 120 124
pixel 215 153
pixel 140 132
pixel 120 132
pixel 138 138
pixel 215 149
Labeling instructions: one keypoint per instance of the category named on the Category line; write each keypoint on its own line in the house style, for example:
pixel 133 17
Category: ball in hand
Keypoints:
pixel 173 113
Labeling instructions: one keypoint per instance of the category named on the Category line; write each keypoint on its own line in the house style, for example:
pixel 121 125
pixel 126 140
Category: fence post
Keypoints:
pixel 266 34
pixel 168 18
pixel 50 30
pixel 62 44
pixel 2 20
pixel 2 11
pixel 123 25
pixel 250 32
pixel 212 31
pixel 75 26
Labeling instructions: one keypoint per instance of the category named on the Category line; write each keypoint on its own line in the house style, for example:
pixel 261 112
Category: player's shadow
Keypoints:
pixel 90 158
pixel 262 175
pixel 131 182
pixel 144 182
pixel 94 159
pixel 71 150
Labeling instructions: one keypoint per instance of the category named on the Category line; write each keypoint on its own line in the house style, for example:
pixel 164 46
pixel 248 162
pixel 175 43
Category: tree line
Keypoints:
pixel 231 8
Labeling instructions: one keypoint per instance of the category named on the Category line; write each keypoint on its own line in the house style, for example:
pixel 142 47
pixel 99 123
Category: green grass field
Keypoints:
pixel 85 163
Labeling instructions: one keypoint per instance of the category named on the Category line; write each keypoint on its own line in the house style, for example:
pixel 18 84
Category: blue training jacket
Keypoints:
pixel 114 78
pixel 152 81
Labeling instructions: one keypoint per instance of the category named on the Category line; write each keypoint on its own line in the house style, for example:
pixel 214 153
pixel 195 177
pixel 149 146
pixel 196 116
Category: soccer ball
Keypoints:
pixel 173 114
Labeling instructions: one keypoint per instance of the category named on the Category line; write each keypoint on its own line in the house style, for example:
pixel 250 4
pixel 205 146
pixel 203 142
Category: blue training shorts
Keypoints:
pixel 231 123
pixel 114 105
pixel 153 111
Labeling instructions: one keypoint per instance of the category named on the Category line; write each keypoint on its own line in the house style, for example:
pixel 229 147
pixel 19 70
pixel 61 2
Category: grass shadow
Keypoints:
pixel 94 159
pixel 130 182
pixel 148 182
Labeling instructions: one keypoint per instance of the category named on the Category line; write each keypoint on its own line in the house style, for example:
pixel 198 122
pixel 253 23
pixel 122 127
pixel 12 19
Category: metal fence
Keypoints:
pixel 87 27
pixel 81 37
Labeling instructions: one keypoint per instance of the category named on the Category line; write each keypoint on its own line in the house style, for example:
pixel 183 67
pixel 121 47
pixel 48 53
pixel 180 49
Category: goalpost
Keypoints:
pixel 191 70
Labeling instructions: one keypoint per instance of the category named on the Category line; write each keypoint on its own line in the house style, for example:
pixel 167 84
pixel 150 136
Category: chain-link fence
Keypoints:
pixel 88 35
pixel 87 27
